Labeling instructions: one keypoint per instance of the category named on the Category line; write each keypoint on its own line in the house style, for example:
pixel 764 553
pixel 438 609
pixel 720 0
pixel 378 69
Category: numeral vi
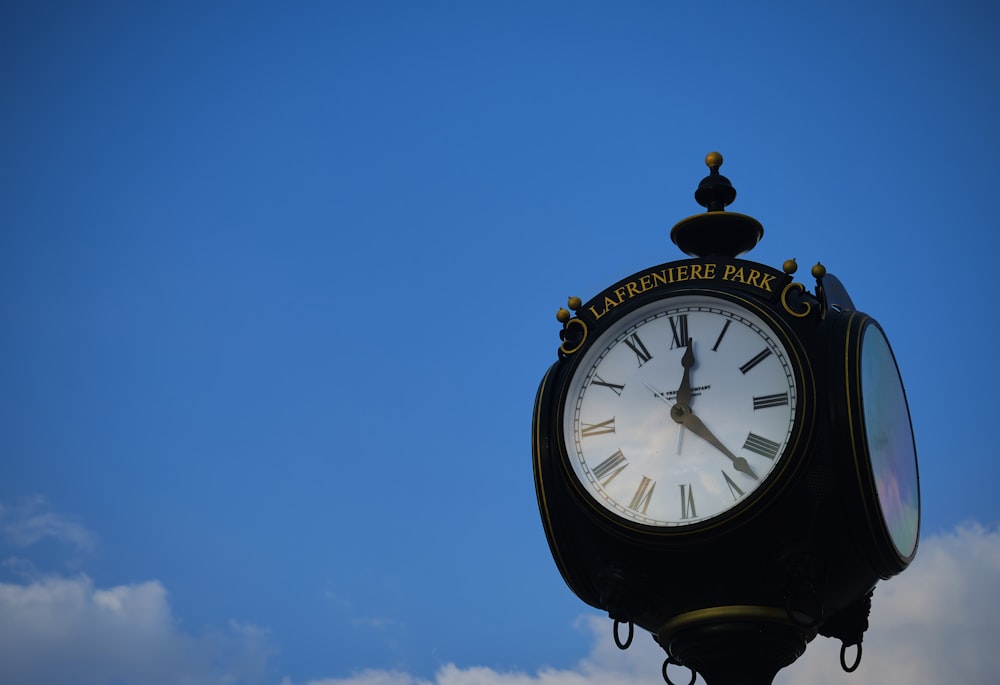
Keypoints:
pixel 687 502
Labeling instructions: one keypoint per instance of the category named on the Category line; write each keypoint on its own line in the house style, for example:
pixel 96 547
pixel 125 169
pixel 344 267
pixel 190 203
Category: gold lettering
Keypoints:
pixel 684 272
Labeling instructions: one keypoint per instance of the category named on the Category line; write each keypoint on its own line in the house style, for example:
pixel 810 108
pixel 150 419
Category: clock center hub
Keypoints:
pixel 677 412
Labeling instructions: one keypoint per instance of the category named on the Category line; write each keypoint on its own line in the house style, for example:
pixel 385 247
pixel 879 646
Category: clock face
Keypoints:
pixel 680 411
pixel 889 441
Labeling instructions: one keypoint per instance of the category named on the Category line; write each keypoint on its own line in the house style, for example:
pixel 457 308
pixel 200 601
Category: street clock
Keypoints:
pixel 723 458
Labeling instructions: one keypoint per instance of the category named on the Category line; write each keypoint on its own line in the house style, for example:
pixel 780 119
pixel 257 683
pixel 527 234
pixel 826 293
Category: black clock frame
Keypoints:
pixel 599 554
pixel 788 546
pixel 735 597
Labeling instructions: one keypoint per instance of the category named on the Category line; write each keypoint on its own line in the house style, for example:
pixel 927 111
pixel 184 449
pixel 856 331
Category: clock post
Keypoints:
pixel 723 458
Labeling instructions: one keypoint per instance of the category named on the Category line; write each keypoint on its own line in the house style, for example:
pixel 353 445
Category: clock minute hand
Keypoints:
pixel 696 426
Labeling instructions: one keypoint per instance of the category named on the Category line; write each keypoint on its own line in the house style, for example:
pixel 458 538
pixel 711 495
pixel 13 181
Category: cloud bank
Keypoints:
pixel 65 630
pixel 932 624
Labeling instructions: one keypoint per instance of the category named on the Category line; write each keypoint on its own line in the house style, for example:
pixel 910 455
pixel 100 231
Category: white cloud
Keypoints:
pixel 33 520
pixel 65 630
pixel 934 623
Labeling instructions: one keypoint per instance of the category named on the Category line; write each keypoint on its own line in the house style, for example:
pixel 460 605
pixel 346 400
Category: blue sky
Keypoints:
pixel 278 284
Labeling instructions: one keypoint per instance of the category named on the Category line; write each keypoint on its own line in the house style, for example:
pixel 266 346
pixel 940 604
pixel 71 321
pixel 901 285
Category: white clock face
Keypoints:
pixel 680 411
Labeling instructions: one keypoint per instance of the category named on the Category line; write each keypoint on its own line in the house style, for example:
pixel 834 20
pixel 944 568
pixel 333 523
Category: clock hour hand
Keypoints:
pixel 683 416
pixel 687 361
pixel 683 395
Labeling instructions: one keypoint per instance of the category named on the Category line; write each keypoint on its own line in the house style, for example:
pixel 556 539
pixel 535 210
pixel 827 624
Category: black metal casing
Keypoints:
pixel 802 546
pixel 737 596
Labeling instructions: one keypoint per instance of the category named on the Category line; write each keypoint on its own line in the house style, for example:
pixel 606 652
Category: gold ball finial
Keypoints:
pixel 818 271
pixel 563 316
pixel 574 303
pixel 713 160
pixel 790 266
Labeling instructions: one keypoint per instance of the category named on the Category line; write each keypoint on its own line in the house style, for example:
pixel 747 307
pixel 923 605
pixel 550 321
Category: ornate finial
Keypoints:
pixel 717 232
pixel 819 272
pixel 715 190
pixel 790 266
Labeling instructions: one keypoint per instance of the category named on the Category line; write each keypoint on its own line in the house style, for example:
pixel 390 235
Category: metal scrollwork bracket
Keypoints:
pixel 849 626
pixel 574 331
pixel 793 298
pixel 795 290
pixel 830 293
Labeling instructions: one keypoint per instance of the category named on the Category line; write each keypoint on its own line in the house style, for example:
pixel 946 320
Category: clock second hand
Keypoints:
pixel 663 396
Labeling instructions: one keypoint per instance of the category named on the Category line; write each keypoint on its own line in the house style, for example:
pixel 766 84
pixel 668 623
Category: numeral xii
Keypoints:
pixel 678 330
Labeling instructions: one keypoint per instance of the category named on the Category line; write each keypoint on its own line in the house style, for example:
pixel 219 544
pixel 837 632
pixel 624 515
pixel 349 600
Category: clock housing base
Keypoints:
pixel 735 645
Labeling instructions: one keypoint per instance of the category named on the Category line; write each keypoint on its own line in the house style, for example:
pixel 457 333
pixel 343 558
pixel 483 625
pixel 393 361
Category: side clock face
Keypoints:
pixel 888 442
pixel 680 411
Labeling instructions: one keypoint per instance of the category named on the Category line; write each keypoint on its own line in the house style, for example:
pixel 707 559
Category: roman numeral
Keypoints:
pixel 687 502
pixel 758 358
pixel 765 401
pixel 641 353
pixel 734 489
pixel 679 329
pixel 640 501
pixel 589 430
pixel 725 327
pixel 606 471
pixel 762 446
pixel 614 386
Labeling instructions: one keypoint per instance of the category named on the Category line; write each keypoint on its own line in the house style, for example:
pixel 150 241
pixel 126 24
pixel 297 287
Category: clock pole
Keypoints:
pixel 723 458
